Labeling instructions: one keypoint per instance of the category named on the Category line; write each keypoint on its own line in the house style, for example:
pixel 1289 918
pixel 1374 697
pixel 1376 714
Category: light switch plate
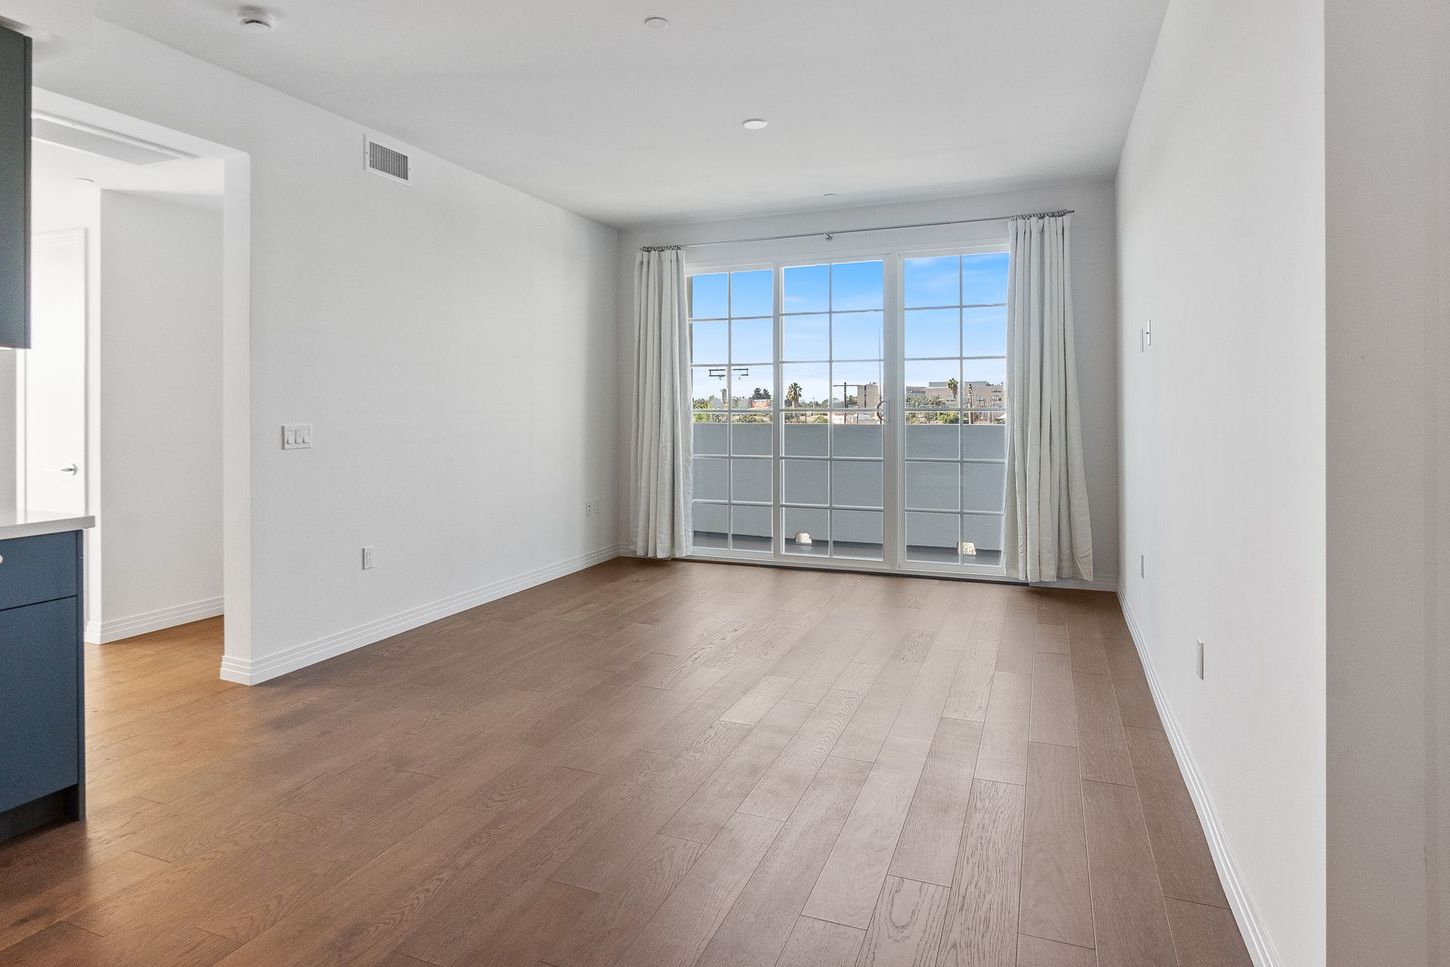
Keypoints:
pixel 296 436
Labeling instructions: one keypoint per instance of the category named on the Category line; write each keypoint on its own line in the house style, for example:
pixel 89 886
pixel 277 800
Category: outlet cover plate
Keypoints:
pixel 296 436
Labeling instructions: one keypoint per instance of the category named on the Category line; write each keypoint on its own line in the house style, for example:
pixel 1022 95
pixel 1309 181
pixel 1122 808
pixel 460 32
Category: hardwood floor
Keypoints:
pixel 646 764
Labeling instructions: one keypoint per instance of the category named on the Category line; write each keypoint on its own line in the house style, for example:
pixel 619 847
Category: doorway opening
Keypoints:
pixel 125 408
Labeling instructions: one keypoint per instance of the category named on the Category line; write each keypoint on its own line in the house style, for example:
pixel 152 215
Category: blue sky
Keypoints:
pixel 840 307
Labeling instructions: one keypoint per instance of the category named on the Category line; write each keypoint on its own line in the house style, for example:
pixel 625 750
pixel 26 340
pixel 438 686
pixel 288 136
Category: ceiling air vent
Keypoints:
pixel 79 136
pixel 388 161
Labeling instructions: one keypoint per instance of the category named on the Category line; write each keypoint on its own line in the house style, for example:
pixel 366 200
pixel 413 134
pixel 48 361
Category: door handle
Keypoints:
pixel 72 470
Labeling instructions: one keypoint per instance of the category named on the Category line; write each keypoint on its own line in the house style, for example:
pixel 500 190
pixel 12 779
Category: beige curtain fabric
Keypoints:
pixel 662 440
pixel 1048 535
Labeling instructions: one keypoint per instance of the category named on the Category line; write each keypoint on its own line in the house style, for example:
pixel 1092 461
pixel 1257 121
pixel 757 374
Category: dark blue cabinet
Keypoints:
pixel 14 189
pixel 39 734
pixel 42 763
pixel 35 569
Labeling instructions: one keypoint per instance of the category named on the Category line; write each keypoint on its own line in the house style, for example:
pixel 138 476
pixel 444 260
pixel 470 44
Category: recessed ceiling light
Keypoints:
pixel 256 19
pixel 656 23
pixel 754 124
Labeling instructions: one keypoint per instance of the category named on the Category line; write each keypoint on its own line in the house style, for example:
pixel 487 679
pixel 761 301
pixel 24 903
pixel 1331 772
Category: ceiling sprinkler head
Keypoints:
pixel 256 19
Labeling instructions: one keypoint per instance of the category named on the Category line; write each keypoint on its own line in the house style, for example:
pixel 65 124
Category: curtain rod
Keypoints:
pixel 882 228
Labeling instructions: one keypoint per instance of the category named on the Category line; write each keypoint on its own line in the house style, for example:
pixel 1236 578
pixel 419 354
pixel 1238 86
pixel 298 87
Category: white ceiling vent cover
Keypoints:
pixel 79 136
pixel 390 161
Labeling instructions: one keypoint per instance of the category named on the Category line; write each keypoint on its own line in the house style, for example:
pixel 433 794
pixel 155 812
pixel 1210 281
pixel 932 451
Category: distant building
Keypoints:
pixel 975 395
pixel 984 396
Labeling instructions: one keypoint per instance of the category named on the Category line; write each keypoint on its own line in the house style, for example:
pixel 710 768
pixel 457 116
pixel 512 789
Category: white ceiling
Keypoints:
pixel 578 103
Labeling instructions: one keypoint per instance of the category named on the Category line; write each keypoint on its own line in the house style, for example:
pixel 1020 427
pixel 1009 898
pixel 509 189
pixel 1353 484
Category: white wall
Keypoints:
pixel 1094 302
pixel 160 415
pixel 409 326
pixel 1388 153
pixel 1221 220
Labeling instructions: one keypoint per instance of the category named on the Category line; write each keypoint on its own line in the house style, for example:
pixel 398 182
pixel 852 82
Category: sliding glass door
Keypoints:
pixel 852 411
pixel 732 344
pixel 955 363
pixel 833 338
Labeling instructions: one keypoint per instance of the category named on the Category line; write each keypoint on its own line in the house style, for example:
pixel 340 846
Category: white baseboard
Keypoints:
pixel 254 672
pixel 1251 925
pixel 106 631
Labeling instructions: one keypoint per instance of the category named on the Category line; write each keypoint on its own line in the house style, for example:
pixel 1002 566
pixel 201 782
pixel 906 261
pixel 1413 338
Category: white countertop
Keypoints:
pixel 32 523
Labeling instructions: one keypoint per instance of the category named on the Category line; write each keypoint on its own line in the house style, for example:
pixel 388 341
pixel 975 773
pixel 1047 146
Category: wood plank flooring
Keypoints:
pixel 643 764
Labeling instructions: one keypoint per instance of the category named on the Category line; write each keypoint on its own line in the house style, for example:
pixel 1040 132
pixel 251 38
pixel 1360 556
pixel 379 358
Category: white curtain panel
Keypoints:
pixel 1048 534
pixel 662 440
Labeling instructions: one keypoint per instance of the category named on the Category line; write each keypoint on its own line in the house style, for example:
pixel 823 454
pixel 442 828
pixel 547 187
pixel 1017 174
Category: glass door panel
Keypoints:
pixel 833 338
pixel 732 375
pixel 954 375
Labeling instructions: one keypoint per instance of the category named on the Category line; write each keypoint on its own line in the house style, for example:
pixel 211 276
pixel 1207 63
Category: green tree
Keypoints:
pixel 952 386
pixel 761 393
pixel 793 395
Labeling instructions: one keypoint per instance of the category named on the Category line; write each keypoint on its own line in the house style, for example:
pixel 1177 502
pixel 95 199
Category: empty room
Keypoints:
pixel 768 483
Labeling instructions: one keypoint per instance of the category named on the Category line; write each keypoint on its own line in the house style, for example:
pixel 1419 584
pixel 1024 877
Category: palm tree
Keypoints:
pixel 952 387
pixel 793 395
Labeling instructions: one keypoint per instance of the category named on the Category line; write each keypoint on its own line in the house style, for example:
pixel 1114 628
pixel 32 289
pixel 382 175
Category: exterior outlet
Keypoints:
pixel 367 558
pixel 1200 658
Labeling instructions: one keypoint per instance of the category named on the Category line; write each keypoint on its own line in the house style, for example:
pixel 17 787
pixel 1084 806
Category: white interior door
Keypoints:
pixel 52 378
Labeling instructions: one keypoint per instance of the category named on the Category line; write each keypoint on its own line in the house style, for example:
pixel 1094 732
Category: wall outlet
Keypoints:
pixel 1200 658
pixel 296 436
pixel 367 558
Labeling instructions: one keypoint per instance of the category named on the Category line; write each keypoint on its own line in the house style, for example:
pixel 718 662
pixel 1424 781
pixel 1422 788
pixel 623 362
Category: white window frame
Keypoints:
pixel 815 251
